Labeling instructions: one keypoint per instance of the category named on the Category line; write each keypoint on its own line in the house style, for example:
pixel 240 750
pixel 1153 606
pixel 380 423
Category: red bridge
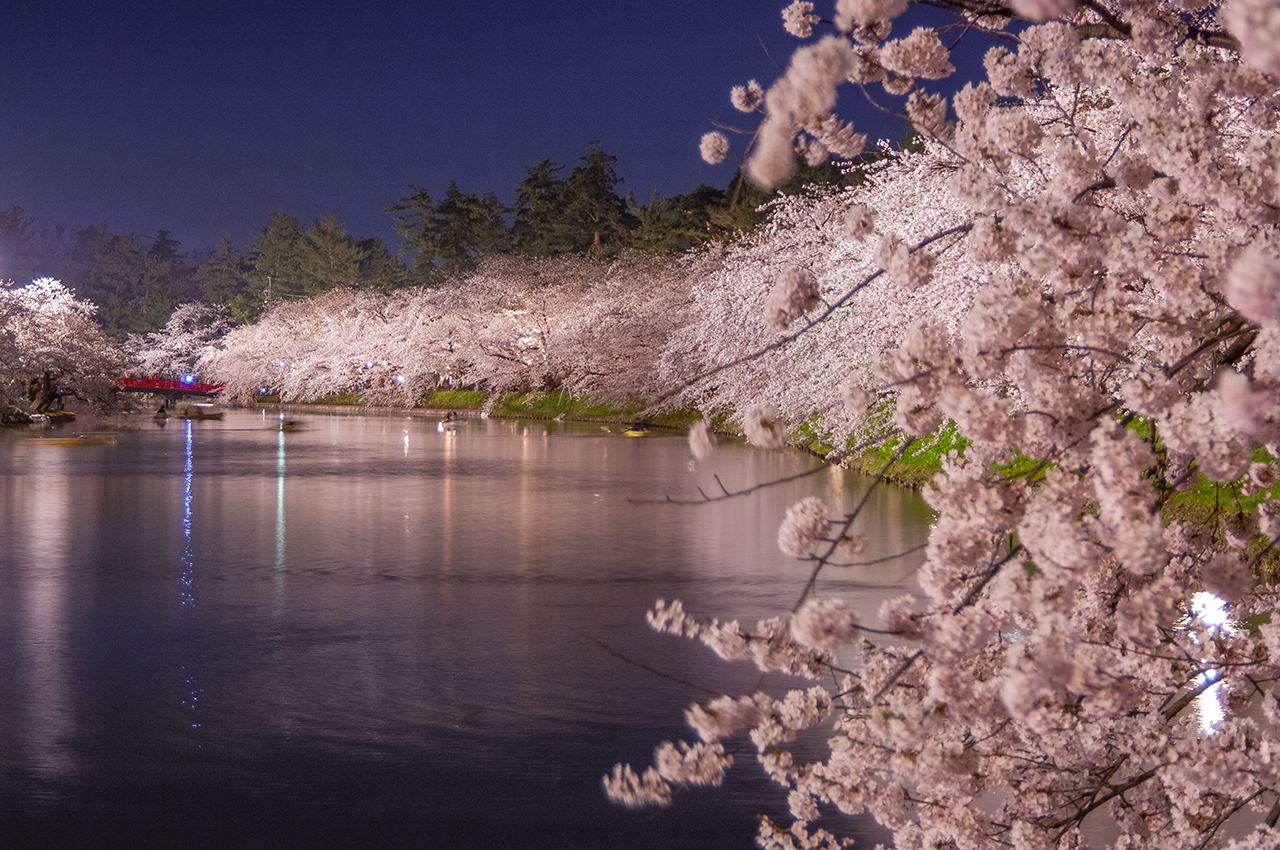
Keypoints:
pixel 166 387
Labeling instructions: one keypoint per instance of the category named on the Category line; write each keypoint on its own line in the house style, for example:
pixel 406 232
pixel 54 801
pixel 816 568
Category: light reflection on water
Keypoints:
pixel 1211 611
pixel 389 637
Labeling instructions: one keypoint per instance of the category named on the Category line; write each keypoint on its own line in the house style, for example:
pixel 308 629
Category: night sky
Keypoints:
pixel 203 117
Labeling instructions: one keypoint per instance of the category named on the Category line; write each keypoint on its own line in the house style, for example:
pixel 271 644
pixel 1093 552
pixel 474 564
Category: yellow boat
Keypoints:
pixel 103 439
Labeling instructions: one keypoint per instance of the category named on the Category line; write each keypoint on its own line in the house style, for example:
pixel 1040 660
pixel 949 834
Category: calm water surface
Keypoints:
pixel 371 634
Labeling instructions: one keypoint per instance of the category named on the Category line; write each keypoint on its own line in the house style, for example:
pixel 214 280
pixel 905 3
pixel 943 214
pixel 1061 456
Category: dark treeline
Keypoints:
pixel 137 281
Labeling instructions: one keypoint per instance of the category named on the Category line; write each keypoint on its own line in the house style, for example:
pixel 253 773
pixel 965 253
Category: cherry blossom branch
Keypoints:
pixel 645 667
pixel 848 522
pixel 747 491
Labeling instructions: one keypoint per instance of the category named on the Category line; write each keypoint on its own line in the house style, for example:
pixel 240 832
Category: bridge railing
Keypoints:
pixel 163 385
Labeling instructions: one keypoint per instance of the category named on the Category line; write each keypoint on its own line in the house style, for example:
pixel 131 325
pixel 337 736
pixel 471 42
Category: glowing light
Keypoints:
pixel 1209 609
pixel 188 378
pixel 1209 706
pixel 399 379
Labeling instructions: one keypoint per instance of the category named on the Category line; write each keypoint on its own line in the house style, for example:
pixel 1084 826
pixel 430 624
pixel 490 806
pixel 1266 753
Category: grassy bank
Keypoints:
pixel 564 406
pixel 539 405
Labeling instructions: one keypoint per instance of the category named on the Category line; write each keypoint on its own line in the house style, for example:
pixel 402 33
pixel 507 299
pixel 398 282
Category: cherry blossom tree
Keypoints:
pixel 573 323
pixel 193 328
pixel 1108 281
pixel 50 347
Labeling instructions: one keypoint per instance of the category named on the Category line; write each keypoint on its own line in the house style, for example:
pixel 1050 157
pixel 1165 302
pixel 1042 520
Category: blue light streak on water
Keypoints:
pixel 188 556
pixel 192 689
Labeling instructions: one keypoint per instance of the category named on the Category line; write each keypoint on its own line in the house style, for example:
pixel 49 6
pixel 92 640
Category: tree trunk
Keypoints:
pixel 42 393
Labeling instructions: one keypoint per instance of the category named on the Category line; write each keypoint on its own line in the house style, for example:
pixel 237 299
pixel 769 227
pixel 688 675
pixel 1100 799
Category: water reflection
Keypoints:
pixel 191 686
pixel 188 556
pixel 42 677
pixel 280 538
pixel 1211 611
pixel 378 619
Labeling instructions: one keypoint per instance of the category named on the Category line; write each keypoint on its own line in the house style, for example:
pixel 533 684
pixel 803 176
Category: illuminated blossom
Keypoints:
pixel 1253 286
pixel 714 147
pixel 798 19
pixel 636 791
pixel 764 427
pixel 794 294
pixel 855 14
pixel 696 764
pixel 824 624
pixel 921 54
pixel 1043 10
pixel 860 222
pixel 805 525
pixel 807 90
pixel 701 441
pixel 747 98
pixel 1256 23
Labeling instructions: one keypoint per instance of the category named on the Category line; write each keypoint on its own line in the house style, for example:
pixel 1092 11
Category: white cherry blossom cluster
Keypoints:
pixel 1080 270
pixel 574 323
pixel 795 294
pixel 45 329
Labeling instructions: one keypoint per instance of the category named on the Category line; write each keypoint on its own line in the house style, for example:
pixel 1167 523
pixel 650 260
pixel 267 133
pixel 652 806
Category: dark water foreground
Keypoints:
pixel 372 634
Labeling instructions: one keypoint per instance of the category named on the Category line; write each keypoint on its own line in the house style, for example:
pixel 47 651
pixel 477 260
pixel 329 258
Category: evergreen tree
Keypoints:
pixel 329 257
pixel 133 285
pixel 224 279
pixel 594 213
pixel 26 253
pixel 277 264
pixel 671 225
pixel 540 226
pixel 449 237
pixel 380 269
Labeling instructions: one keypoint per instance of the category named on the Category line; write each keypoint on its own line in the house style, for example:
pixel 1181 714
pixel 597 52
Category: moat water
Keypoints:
pixel 368 633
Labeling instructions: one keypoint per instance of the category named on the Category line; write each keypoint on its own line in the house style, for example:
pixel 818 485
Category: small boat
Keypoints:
pixel 450 422
pixel 197 413
pixel 103 438
pixel 290 425
pixel 636 429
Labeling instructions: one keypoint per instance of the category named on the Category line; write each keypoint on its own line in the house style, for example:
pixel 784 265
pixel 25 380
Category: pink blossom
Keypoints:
pixel 765 427
pixel 1256 23
pixel 1253 285
pixel 1043 10
pixel 806 524
pixel 714 146
pixel 795 293
pixel 747 98
pixel 636 791
pixel 920 54
pixel 798 19
pixel 701 441
pixel 851 14
pixel 824 624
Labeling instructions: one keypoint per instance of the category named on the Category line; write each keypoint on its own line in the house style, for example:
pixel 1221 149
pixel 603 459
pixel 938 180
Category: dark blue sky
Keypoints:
pixel 203 117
